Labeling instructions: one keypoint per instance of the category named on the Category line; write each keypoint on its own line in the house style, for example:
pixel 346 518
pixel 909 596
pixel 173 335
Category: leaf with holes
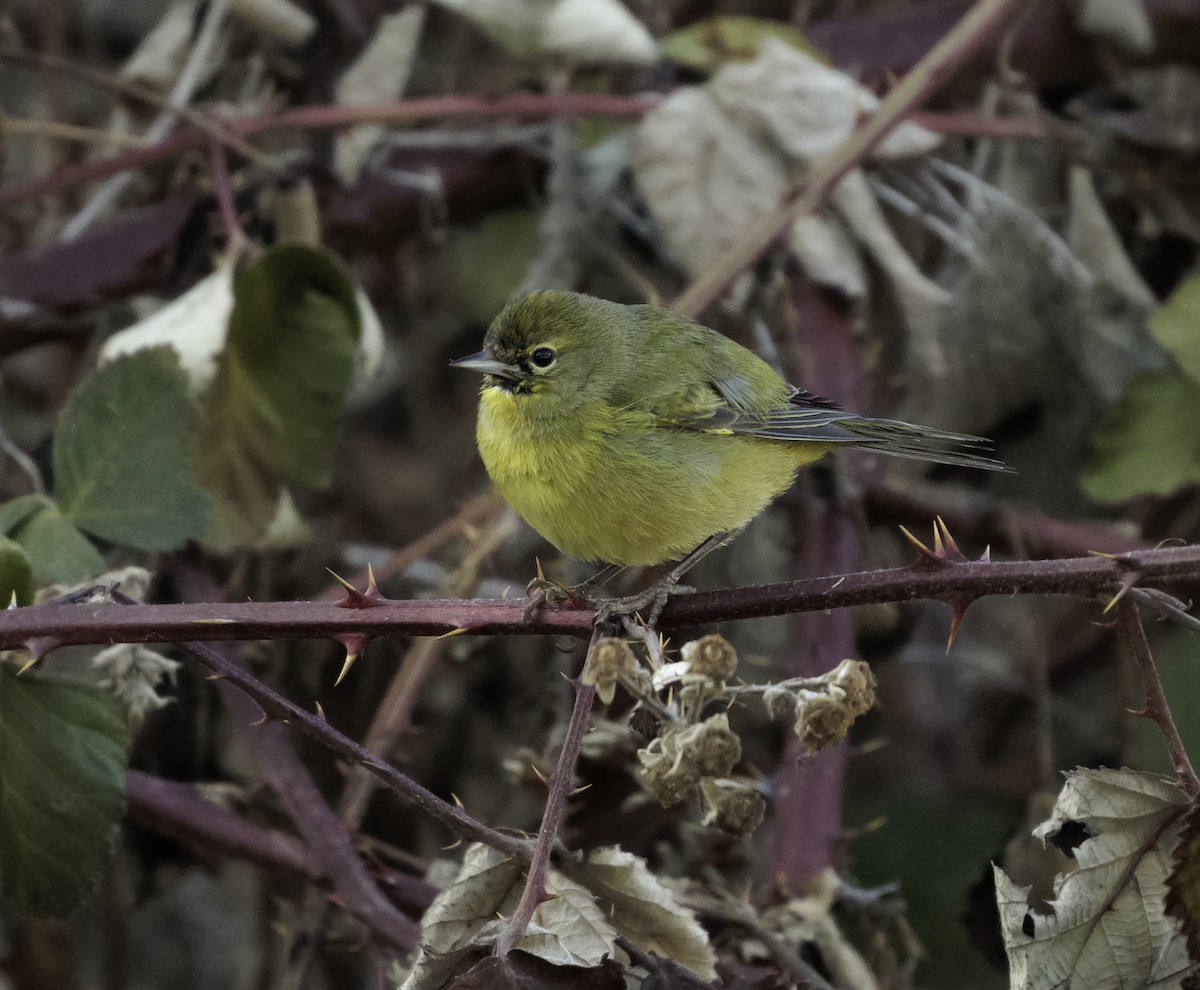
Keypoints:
pixel 1108 928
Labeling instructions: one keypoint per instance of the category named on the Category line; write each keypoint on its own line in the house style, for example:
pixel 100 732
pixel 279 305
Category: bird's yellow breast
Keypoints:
pixel 605 483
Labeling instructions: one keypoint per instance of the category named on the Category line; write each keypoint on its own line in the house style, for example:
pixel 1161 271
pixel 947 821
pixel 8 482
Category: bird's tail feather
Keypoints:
pixel 891 436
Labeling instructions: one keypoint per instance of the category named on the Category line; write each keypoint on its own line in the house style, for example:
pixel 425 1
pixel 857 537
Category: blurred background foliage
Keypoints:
pixel 250 347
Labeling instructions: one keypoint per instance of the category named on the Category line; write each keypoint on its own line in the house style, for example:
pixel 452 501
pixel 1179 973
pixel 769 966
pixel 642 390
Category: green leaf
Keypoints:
pixel 275 408
pixel 1176 325
pixel 708 44
pixel 124 454
pixel 56 549
pixel 16 574
pixel 1147 443
pixel 62 772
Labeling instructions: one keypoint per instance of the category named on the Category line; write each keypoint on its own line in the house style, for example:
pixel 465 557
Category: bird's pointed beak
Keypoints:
pixel 485 362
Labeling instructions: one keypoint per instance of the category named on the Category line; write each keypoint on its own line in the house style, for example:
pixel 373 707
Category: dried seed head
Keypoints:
pixel 856 678
pixel 732 806
pixel 715 747
pixel 668 772
pixel 608 663
pixel 823 717
pixel 711 656
pixel 673 763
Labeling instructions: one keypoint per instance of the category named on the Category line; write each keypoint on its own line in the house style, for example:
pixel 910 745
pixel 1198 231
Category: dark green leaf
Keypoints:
pixel 1147 443
pixel 275 408
pixel 16 575
pixel 62 772
pixel 57 550
pixel 125 451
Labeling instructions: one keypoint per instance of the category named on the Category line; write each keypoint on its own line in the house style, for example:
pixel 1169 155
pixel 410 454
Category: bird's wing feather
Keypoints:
pixel 724 406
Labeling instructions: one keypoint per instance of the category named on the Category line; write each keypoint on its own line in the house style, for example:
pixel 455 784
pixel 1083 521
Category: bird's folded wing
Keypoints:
pixel 724 407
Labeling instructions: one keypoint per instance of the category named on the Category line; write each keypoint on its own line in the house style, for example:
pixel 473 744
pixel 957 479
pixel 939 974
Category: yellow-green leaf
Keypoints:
pixel 1147 443
pixel 708 44
pixel 1176 325
pixel 16 574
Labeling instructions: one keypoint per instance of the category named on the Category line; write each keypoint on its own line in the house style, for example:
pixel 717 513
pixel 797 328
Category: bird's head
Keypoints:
pixel 550 345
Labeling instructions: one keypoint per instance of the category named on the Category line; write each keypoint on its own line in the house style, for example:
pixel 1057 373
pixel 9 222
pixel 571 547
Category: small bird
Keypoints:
pixel 631 435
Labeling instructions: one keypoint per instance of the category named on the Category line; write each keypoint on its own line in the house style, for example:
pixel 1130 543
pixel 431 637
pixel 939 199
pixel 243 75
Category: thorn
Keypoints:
pixel 541 576
pixel 579 790
pixel 32 661
pixel 938 549
pixel 453 632
pixel 457 802
pixel 955 622
pixel 986 556
pixel 951 545
pixel 355 598
pixel 1126 584
pixel 355 644
pixel 1106 556
pixel 321 712
pixel 959 603
pixel 924 550
pixel 453 845
pixel 540 776
pixel 13 603
pixel 264 719
pixel 40 646
pixel 350 660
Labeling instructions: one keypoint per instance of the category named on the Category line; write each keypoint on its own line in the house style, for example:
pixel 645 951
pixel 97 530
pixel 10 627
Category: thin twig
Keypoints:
pixel 1156 708
pixel 57 131
pixel 236 240
pixel 561 787
pixel 925 78
pixel 532 106
pixel 215 129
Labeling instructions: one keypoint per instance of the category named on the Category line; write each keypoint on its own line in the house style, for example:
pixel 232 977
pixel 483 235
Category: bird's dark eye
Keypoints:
pixel 543 357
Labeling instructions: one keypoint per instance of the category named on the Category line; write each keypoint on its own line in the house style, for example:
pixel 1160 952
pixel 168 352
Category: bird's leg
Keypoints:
pixel 656 595
pixel 546 591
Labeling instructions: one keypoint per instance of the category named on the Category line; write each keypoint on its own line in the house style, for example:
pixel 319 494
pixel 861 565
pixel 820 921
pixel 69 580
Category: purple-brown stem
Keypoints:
pixel 46 627
pixel 1130 624
pixel 560 786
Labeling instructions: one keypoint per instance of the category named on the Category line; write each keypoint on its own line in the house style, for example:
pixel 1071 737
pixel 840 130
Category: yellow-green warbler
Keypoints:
pixel 633 435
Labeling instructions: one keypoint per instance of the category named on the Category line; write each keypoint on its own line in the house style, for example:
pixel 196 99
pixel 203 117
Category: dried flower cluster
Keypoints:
pixel 692 752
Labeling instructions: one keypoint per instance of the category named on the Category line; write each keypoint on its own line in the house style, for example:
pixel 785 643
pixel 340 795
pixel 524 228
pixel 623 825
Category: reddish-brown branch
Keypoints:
pixel 517 106
pixel 181 812
pixel 45 627
pixel 278 708
pixel 280 768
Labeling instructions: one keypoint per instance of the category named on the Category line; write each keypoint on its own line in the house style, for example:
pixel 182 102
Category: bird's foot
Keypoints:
pixel 546 591
pixel 646 605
